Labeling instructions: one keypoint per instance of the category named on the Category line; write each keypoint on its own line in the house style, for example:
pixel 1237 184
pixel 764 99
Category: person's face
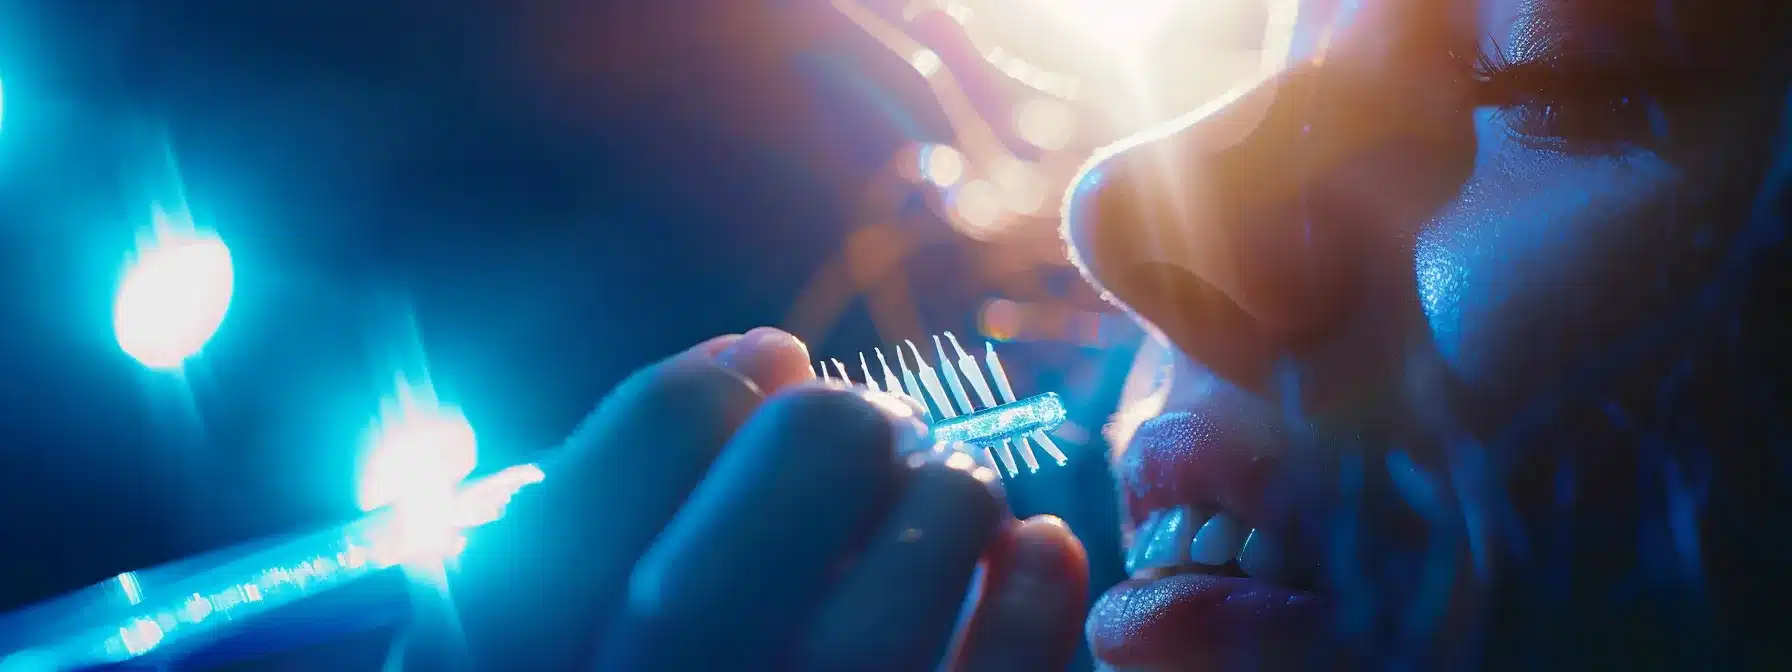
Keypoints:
pixel 1469 325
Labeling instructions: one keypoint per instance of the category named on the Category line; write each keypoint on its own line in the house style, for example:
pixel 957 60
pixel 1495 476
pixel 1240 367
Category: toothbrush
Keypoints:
pixel 189 603
pixel 997 422
pixel 177 607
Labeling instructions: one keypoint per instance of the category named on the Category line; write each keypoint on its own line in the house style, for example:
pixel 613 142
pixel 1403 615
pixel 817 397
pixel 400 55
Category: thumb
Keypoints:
pixel 1035 595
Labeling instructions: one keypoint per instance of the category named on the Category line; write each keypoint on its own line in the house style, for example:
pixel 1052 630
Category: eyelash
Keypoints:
pixel 1552 105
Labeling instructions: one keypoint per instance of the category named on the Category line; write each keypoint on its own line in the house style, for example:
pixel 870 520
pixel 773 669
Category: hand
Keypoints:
pixel 719 510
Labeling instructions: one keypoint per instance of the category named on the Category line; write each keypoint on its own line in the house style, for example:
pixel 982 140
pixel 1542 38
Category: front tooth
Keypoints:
pixel 1262 558
pixel 1218 541
pixel 1168 544
pixel 1141 538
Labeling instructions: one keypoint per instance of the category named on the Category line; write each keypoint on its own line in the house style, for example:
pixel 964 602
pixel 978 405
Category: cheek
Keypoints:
pixel 1544 257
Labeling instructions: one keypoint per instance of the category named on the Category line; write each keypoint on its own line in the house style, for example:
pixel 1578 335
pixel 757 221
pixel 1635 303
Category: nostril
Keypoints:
pixel 1205 323
pixel 1145 249
pixel 1248 234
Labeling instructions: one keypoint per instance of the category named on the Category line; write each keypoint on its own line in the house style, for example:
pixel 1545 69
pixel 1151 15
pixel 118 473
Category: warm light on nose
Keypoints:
pixel 172 298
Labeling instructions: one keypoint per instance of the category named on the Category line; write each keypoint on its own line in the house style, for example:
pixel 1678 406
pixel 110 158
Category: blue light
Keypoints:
pixel 419 450
pixel 173 297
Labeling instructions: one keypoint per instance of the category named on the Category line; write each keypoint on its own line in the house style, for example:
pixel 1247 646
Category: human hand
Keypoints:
pixel 720 510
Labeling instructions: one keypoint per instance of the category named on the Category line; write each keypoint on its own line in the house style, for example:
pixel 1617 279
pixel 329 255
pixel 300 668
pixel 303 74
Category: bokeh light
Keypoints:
pixel 173 297
pixel 941 164
pixel 1000 319
pixel 1045 123
pixel 1023 189
pixel 976 210
pixel 925 61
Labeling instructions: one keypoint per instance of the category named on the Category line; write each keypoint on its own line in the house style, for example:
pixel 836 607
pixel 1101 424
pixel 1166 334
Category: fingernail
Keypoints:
pixel 755 342
pixel 714 346
pixel 764 354
pixel 1036 546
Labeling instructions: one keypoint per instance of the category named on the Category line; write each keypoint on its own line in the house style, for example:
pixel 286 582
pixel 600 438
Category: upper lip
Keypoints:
pixel 1193 458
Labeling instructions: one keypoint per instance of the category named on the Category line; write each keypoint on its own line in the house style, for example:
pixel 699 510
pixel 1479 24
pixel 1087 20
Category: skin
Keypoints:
pixel 720 509
pixel 1566 349
pixel 1549 363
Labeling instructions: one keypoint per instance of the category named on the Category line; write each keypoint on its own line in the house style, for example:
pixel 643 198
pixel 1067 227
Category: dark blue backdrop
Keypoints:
pixel 538 194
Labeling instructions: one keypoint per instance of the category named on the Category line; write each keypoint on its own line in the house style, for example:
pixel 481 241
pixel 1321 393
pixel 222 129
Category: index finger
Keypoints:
pixel 533 587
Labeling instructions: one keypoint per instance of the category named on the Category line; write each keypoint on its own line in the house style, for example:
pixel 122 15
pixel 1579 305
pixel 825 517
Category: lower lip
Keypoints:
pixel 1196 621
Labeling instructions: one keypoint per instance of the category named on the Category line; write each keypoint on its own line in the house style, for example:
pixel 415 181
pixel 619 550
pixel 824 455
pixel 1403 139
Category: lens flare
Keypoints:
pixel 419 453
pixel 420 449
pixel 173 298
pixel 1117 25
pixel 1132 62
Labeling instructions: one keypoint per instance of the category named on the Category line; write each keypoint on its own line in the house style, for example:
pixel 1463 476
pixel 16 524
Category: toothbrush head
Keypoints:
pixel 1001 425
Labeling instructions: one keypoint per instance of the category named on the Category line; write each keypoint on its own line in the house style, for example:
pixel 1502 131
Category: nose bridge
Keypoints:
pixel 1222 195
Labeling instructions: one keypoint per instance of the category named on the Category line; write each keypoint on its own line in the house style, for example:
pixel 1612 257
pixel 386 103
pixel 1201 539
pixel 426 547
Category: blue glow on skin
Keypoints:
pixel 1520 235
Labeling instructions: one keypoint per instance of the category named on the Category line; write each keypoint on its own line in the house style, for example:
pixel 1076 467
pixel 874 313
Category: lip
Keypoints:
pixel 1208 458
pixel 1199 621
pixel 1214 457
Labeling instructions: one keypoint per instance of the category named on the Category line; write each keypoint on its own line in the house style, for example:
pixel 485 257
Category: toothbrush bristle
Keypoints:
pixel 953 382
pixel 955 346
pixel 987 415
pixel 1026 455
pixel 865 368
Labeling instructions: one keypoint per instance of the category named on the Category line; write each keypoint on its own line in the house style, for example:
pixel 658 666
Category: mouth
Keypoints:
pixel 1212 582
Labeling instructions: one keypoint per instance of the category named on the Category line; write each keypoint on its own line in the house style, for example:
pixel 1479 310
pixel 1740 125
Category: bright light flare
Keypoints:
pixel 419 454
pixel 1135 61
pixel 173 298
pixel 1114 24
pixel 420 450
pixel 426 533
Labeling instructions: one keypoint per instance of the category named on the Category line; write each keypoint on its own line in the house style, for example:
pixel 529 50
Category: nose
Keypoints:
pixel 1276 224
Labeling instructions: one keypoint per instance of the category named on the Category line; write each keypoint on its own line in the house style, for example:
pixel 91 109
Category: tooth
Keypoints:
pixel 1262 558
pixel 1141 536
pixel 1218 541
pixel 1168 544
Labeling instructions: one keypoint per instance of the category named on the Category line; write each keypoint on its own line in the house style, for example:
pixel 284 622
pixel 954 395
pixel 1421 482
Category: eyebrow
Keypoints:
pixel 1618 26
pixel 1688 34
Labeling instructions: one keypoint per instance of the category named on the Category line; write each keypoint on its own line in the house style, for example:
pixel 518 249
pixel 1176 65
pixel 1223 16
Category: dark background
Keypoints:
pixel 523 200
